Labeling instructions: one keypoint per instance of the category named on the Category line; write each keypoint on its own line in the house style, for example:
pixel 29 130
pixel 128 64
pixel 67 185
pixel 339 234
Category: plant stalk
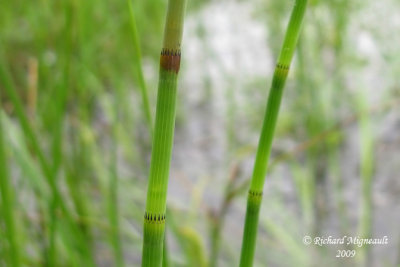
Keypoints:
pixel 7 203
pixel 154 218
pixel 267 133
pixel 367 173
pixel 10 89
pixel 139 69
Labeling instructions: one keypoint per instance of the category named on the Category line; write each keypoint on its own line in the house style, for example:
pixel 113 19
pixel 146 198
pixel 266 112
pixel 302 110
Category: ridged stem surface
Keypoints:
pixel 267 133
pixel 154 218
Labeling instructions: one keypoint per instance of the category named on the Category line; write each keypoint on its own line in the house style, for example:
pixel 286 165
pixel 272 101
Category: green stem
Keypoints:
pixel 114 212
pixel 7 202
pixel 154 222
pixel 366 172
pixel 267 133
pixel 57 131
pixel 166 260
pixel 138 67
pixel 113 193
pixel 218 220
pixel 143 88
pixel 11 92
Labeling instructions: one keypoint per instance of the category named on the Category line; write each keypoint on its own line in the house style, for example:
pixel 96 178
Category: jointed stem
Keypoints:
pixel 267 133
pixel 154 222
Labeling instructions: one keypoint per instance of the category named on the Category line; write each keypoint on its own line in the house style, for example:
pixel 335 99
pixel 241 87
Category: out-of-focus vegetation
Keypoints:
pixel 76 141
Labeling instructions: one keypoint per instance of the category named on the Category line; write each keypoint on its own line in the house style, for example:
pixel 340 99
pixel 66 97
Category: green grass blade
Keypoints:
pixel 113 195
pixel 138 67
pixel 57 131
pixel 366 173
pixel 267 132
pixel 11 92
pixel 113 214
pixel 9 87
pixel 7 203
pixel 154 222
pixel 24 159
pixel 5 78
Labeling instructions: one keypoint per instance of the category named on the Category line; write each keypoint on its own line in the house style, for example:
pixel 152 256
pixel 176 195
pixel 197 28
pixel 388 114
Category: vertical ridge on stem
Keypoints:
pixel 154 219
pixel 267 132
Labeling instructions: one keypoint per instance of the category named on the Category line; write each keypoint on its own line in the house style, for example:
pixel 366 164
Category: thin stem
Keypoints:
pixel 113 191
pixel 143 89
pixel 114 212
pixel 138 68
pixel 154 221
pixel 218 219
pixel 267 133
pixel 366 172
pixel 9 88
pixel 57 131
pixel 7 203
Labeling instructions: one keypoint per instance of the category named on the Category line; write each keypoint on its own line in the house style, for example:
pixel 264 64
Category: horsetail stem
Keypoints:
pixel 267 133
pixel 154 218
pixel 143 88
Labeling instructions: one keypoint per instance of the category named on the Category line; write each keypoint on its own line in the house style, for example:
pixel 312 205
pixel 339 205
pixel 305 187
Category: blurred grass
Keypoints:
pixel 76 64
pixel 7 205
pixel 76 137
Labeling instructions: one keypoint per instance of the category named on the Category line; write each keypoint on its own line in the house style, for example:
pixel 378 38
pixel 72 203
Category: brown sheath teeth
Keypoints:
pixel 170 60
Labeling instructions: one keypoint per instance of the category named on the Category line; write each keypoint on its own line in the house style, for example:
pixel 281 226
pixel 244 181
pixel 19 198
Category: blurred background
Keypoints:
pixel 76 140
